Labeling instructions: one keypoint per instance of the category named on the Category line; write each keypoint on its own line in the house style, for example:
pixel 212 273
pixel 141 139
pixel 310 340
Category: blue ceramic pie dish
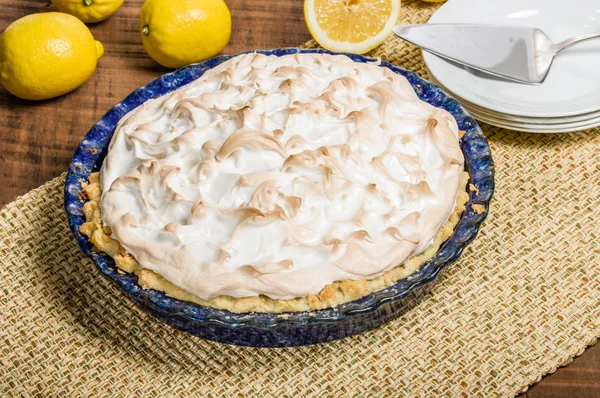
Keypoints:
pixel 298 328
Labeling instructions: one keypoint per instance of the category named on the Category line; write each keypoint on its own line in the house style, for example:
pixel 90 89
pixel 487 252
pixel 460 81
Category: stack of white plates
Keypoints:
pixel 569 99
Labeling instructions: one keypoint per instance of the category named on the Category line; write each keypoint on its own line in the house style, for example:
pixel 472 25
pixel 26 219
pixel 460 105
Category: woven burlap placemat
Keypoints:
pixel 522 300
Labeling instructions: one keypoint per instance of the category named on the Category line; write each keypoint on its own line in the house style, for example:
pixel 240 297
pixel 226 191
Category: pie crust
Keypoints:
pixel 331 295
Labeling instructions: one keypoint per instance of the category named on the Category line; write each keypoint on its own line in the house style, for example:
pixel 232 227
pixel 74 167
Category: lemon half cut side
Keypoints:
pixel 354 26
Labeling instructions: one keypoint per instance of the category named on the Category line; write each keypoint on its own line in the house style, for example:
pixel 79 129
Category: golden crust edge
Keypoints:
pixel 332 295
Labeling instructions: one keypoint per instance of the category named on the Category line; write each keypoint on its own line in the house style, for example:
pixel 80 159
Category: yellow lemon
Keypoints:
pixel 176 33
pixel 354 26
pixel 89 11
pixel 46 55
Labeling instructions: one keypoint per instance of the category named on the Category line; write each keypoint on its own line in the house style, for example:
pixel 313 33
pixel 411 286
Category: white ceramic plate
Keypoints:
pixel 539 121
pixel 532 127
pixel 535 120
pixel 573 84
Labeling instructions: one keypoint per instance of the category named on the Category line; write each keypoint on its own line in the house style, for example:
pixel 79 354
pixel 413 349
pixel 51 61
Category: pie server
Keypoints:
pixel 516 53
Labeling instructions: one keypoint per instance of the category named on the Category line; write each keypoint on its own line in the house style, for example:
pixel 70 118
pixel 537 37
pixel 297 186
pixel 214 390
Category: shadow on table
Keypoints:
pixel 518 139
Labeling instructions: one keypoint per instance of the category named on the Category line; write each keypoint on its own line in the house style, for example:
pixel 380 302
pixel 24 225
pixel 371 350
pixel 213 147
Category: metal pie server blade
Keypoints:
pixel 516 53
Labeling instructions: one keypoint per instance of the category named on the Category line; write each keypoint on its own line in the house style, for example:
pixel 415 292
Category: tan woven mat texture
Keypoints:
pixel 522 300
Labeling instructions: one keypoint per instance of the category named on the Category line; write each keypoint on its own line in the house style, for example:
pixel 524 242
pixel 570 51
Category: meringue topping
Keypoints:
pixel 277 176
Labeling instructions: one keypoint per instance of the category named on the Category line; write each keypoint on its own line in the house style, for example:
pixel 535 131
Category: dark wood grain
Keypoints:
pixel 37 139
pixel 581 379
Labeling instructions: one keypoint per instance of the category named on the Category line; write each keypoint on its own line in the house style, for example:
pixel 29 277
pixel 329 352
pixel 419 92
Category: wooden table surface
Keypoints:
pixel 37 139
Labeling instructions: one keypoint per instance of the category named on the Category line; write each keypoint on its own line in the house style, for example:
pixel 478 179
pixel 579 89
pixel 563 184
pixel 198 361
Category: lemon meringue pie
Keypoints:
pixel 277 184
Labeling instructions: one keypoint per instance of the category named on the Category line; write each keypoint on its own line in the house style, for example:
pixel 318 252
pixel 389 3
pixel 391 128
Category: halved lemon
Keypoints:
pixel 355 26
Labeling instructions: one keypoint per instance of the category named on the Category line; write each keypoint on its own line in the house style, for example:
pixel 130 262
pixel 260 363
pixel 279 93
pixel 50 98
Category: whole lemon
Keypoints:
pixel 176 33
pixel 89 11
pixel 46 55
